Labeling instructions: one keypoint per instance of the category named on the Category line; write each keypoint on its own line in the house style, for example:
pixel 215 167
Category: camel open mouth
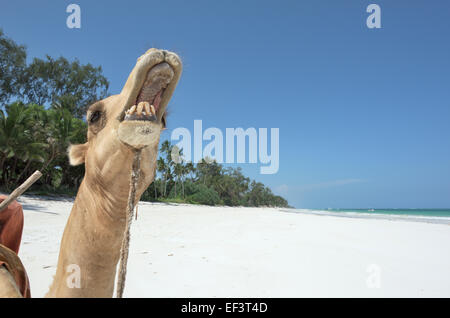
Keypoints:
pixel 146 95
pixel 147 106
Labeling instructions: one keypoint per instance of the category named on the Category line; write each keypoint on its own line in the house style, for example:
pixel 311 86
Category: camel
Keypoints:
pixel 118 126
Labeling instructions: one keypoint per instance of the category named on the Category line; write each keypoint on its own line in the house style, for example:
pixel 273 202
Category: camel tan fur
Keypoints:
pixel 118 125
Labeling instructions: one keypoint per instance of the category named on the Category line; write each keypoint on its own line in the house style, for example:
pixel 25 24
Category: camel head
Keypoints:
pixel 133 120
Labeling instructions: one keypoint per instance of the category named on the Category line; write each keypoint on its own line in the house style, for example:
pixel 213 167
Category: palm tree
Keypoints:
pixel 162 169
pixel 17 141
pixel 184 172
pixel 34 151
pixel 190 169
pixel 166 149
pixel 179 172
pixel 11 137
pixel 59 131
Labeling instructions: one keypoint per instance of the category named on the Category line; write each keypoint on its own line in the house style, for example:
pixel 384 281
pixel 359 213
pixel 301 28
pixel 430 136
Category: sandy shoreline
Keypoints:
pixel 200 251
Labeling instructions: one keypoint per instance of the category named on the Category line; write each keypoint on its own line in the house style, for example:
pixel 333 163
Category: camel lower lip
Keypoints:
pixel 138 134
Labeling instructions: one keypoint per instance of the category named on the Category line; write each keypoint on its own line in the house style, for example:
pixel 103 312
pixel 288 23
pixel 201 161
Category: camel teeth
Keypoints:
pixel 139 108
pixel 132 109
pixel 147 108
pixel 153 111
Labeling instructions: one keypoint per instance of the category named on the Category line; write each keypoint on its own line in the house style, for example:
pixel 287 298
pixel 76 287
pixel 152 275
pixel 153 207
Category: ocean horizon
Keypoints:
pixel 441 216
pixel 392 211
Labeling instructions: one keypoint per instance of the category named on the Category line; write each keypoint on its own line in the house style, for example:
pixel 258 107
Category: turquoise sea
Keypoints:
pixel 441 216
pixel 405 212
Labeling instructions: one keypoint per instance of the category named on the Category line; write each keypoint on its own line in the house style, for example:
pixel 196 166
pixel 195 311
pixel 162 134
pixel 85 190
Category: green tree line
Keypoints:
pixel 42 104
pixel 205 183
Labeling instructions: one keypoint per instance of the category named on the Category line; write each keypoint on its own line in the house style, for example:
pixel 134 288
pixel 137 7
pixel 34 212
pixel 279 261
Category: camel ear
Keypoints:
pixel 77 154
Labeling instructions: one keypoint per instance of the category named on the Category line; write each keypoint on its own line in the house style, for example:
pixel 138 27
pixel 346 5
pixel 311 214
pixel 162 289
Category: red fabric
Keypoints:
pixel 11 226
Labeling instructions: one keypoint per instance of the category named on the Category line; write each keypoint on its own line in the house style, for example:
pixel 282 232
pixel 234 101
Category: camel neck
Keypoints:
pixel 90 245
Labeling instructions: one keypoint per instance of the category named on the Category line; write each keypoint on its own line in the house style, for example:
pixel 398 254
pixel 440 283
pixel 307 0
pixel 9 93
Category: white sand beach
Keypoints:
pixel 200 251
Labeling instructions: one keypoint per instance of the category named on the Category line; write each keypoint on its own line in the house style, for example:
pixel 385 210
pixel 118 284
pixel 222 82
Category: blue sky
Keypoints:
pixel 363 113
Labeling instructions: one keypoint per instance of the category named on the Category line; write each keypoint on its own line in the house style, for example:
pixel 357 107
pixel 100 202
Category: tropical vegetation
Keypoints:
pixel 42 104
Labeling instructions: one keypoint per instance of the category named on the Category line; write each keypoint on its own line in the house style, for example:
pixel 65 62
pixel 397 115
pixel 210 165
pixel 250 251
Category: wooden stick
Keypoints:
pixel 21 189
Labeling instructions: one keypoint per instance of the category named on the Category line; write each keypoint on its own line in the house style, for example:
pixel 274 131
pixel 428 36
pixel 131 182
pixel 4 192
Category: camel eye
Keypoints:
pixel 95 117
pixel 163 120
